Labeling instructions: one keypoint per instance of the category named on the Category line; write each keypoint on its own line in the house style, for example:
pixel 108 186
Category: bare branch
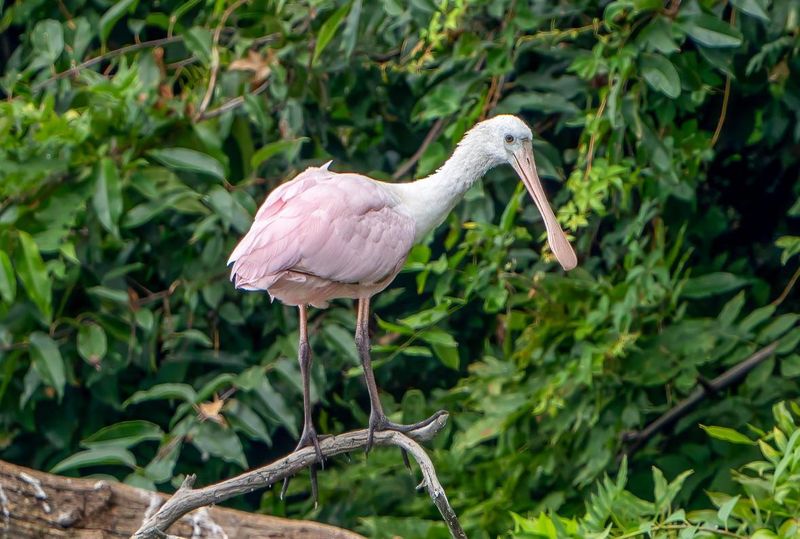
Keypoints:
pixel 429 138
pixel 212 79
pixel 733 375
pixel 230 104
pixel 187 499
pixel 111 54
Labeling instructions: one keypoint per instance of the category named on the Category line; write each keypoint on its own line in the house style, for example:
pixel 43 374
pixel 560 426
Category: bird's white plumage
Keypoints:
pixel 326 235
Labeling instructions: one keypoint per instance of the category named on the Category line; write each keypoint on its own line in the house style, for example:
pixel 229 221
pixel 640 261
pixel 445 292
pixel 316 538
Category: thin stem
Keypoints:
pixel 212 80
pixel 230 104
pixel 436 128
pixel 110 54
pixel 593 138
pixel 788 288
pixel 725 96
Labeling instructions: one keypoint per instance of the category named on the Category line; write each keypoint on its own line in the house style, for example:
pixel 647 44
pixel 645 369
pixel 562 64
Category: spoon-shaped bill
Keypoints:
pixel 526 169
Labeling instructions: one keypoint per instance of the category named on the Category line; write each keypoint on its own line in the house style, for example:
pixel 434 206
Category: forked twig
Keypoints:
pixel 637 439
pixel 187 499
pixel 230 104
pixel 212 79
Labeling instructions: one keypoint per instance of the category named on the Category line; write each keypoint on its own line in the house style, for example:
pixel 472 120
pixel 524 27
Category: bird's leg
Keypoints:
pixel 309 436
pixel 377 418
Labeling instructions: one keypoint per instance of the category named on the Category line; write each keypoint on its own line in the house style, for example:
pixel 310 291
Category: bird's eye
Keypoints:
pixel 509 139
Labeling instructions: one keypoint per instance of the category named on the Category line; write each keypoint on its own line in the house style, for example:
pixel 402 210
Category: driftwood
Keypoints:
pixel 187 499
pixel 735 374
pixel 35 504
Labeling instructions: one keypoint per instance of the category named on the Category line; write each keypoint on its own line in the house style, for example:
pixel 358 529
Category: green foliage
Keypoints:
pixel 765 504
pixel 127 176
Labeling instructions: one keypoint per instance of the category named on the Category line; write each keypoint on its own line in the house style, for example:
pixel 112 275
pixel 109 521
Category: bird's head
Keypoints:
pixel 507 139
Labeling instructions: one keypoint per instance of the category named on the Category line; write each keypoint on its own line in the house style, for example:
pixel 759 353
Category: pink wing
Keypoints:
pixel 340 227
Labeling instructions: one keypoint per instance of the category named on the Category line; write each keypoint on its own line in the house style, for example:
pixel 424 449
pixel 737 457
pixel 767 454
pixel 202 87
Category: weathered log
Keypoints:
pixel 35 504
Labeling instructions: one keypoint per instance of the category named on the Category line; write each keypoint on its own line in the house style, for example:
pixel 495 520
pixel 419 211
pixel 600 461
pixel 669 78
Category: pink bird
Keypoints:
pixel 326 235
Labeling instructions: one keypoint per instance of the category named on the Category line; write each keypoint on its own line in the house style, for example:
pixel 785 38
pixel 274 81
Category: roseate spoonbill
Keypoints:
pixel 326 235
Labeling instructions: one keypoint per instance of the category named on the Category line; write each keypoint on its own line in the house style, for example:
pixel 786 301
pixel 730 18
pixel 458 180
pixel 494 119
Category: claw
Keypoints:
pixel 404 453
pixel 314 487
pixel 308 439
pixel 379 422
pixel 285 487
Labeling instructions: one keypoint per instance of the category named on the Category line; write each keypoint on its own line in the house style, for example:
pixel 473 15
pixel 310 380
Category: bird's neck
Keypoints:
pixel 429 200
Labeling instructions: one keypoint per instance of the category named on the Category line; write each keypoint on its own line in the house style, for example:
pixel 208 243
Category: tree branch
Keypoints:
pixel 187 499
pixel 111 54
pixel 429 138
pixel 212 79
pixel 735 374
pixel 230 104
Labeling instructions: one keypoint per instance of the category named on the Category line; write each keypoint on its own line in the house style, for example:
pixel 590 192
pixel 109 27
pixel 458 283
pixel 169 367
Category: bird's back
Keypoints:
pixel 323 228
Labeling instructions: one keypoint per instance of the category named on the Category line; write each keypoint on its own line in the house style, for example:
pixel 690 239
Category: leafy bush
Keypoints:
pixel 766 505
pixel 127 175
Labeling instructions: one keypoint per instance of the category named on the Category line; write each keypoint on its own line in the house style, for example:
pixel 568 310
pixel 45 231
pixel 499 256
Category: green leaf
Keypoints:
pixel 756 318
pixel 107 198
pixel 764 533
pixel 48 362
pixel 712 284
pixel 710 31
pixel 777 327
pixel 124 434
pixel 661 75
pixel 114 14
pixel 328 30
pixel 343 340
pixel 229 209
pixel 424 318
pixel 448 355
pixel 438 336
pixel 658 36
pixel 728 435
pixel 198 40
pixel 790 366
pixel 219 442
pixel 34 277
pixel 731 310
pixel 350 33
pixel 92 343
pixel 82 38
pixel 274 148
pixel 161 467
pixel 183 392
pixel 47 39
pixel 102 292
pixel 105 456
pixel 725 510
pixel 790 246
pixel 8 281
pixel 754 8
pixel 190 160
pixel 542 102
pixel 244 419
pixel 276 403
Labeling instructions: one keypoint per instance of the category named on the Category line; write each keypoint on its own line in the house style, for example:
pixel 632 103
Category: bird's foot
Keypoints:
pixel 309 438
pixel 379 422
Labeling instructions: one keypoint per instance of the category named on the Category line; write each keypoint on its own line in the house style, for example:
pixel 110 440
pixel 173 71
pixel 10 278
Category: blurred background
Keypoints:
pixel 137 140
